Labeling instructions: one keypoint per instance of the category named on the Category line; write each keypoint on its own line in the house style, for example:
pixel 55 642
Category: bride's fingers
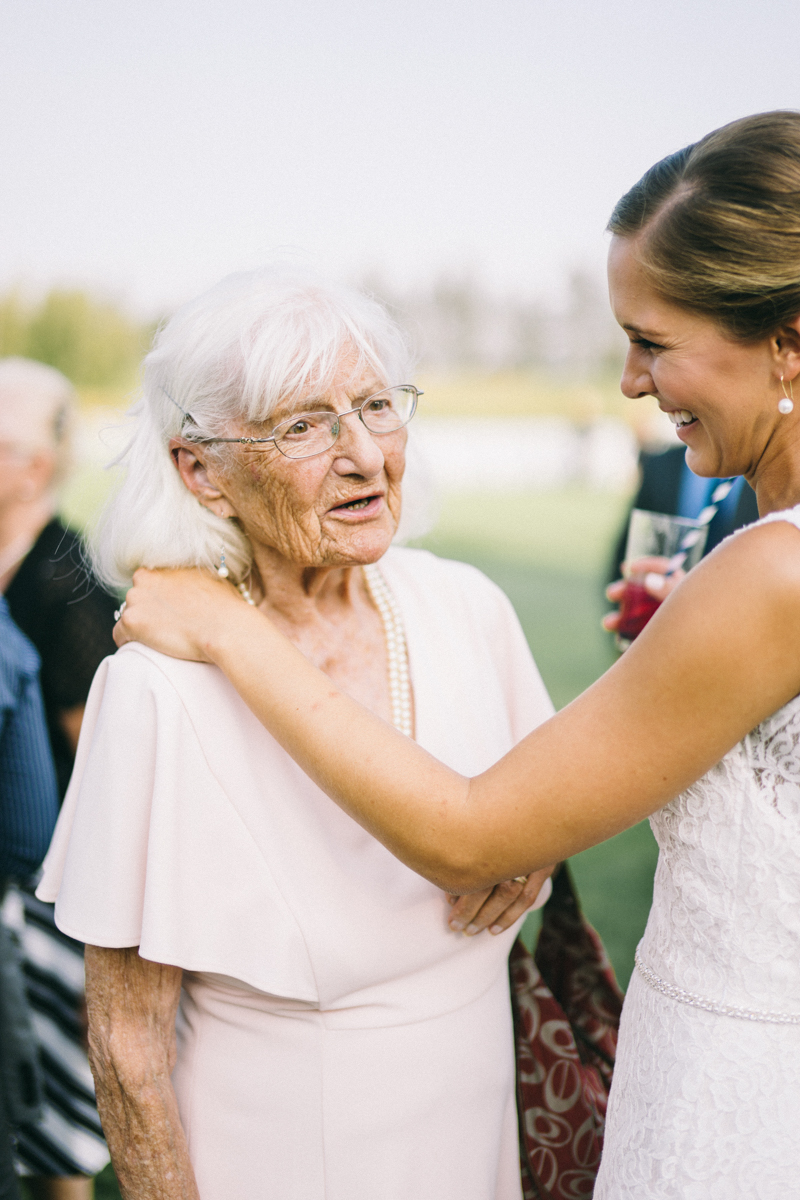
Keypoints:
pixel 640 566
pixel 660 586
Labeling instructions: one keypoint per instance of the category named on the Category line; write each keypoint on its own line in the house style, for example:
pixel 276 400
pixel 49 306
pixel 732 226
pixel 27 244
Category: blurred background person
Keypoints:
pixel 61 608
pixel 28 809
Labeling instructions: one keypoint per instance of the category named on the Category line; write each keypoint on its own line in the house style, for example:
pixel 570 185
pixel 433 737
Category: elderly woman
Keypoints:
pixel 336 1036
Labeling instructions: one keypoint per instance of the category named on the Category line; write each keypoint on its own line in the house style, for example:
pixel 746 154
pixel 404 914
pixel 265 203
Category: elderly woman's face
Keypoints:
pixel 338 508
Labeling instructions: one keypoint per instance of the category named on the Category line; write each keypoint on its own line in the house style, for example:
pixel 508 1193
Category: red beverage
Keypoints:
pixel 636 610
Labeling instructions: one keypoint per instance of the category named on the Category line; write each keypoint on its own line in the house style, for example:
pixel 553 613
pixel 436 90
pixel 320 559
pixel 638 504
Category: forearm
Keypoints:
pixel 145 1136
pixel 407 799
pixel 132 1004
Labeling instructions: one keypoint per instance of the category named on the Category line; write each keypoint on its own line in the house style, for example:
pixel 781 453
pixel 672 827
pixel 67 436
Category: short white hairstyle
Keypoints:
pixel 37 410
pixel 235 352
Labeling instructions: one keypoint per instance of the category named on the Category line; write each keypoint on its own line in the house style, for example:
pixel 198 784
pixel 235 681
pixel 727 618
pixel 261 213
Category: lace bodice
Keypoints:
pixel 725 920
pixel 726 911
pixel 706 1091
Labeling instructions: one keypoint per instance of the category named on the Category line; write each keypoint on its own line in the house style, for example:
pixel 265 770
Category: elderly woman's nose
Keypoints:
pixel 357 450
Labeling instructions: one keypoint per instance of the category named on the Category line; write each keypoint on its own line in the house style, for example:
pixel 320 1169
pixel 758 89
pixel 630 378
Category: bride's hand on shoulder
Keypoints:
pixel 182 613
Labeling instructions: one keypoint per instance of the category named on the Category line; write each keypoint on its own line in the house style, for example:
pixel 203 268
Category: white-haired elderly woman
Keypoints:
pixel 337 1035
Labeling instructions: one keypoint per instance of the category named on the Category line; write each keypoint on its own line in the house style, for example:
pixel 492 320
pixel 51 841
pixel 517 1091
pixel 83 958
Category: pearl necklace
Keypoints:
pixel 396 649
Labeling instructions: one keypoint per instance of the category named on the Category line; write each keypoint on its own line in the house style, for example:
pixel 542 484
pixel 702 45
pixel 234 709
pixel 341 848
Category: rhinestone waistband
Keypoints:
pixel 712 1006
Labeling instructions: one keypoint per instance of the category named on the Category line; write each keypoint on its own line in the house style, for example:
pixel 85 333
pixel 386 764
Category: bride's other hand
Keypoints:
pixel 656 581
pixel 179 613
pixel 498 907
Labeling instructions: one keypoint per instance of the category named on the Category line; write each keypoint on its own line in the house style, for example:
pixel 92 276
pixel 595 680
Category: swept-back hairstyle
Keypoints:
pixel 238 350
pixel 718 224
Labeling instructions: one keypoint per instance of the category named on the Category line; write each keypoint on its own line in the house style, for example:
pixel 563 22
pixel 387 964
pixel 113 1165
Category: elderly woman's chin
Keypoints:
pixel 357 535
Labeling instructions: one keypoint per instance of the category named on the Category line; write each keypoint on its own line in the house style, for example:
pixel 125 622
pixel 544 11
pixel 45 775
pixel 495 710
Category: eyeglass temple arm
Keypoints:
pixel 258 441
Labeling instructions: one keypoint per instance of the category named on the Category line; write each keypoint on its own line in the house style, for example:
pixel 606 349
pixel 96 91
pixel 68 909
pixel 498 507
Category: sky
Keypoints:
pixel 149 147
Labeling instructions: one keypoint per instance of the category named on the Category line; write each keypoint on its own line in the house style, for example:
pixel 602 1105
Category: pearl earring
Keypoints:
pixel 786 405
pixel 222 569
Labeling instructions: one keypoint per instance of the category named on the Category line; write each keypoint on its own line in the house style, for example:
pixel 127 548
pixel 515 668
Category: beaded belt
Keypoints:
pixel 712 1006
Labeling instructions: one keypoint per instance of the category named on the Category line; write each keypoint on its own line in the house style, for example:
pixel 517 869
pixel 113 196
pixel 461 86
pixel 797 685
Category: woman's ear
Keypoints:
pixel 196 479
pixel 787 349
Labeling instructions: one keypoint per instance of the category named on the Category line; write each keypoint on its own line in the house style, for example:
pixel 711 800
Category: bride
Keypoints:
pixel 697 726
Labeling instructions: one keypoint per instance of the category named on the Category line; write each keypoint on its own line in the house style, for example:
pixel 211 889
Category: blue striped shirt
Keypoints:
pixel 28 794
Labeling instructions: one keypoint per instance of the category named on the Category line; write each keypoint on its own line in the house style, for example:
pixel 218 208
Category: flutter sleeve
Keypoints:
pixel 150 849
pixel 96 867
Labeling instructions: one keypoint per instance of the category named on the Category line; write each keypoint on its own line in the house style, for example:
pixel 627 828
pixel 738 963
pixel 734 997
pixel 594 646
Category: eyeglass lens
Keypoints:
pixel 311 433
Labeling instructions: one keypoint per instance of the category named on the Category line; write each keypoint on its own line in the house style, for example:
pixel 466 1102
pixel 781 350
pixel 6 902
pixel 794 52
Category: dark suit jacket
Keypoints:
pixel 659 491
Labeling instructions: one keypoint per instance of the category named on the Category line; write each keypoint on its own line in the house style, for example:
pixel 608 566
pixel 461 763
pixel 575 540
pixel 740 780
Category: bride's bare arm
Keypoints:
pixel 721 654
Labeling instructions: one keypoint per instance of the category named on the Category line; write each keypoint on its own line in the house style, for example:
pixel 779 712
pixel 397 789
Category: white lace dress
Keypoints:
pixel 706 1097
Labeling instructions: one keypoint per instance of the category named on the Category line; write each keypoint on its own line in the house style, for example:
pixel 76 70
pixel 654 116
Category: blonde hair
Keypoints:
pixel 718 224
pixel 235 352
pixel 41 404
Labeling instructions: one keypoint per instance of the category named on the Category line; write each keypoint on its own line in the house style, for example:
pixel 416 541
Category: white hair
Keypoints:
pixel 37 404
pixel 235 352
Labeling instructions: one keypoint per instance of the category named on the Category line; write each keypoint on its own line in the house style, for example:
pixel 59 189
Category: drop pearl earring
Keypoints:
pixel 224 572
pixel 786 405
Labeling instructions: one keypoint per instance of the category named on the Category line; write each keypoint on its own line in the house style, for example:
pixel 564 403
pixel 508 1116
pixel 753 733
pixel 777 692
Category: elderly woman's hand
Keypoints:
pixel 181 613
pixel 499 907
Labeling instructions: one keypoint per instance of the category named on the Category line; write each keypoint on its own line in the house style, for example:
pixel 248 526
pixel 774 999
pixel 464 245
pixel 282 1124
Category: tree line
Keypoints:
pixel 91 340
pixel 455 323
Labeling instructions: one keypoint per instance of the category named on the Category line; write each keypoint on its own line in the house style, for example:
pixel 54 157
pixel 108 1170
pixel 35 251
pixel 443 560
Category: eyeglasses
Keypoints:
pixel 309 433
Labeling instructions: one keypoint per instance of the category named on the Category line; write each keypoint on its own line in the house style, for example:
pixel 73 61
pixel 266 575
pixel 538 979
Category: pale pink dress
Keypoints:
pixel 336 1041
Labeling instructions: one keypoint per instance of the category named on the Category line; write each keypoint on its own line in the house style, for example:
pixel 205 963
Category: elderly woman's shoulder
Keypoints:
pixel 445 578
pixel 136 663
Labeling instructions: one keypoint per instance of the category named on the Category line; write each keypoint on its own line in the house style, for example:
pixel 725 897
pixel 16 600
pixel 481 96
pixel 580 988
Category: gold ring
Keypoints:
pixel 520 879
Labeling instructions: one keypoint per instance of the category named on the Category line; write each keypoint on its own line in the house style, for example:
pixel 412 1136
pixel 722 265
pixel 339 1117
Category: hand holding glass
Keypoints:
pixel 661 544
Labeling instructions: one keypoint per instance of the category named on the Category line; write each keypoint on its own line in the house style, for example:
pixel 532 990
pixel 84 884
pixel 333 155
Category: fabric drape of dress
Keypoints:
pixel 336 1040
pixel 705 1103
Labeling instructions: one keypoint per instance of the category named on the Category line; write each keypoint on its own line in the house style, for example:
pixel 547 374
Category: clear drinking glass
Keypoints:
pixel 655 535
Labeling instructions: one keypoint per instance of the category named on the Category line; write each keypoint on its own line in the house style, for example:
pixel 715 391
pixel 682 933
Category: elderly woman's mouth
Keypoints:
pixel 361 505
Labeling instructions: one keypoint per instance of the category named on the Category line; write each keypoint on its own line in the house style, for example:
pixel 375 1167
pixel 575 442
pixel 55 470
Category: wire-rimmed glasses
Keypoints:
pixel 308 433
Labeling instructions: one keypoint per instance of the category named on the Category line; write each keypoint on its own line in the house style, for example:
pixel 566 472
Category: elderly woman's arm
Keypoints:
pixel 132 1005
